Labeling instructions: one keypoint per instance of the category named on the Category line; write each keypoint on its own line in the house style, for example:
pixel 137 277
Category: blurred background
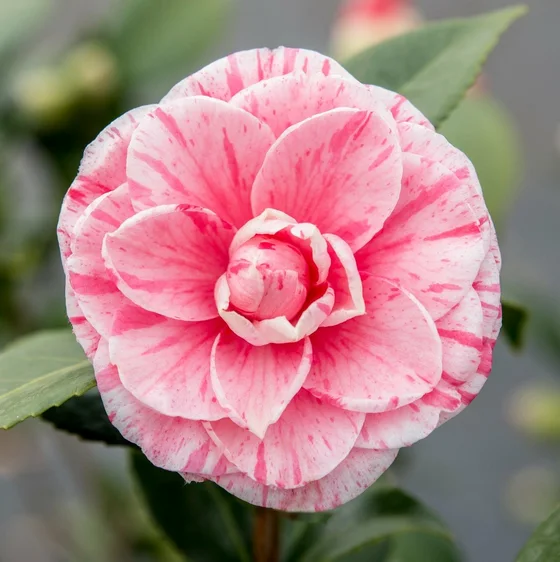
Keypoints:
pixel 68 67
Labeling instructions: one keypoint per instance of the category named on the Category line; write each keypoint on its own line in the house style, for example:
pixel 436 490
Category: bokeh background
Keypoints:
pixel 67 67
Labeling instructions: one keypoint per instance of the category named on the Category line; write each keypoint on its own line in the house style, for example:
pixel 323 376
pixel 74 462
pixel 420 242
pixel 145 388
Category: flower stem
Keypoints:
pixel 266 532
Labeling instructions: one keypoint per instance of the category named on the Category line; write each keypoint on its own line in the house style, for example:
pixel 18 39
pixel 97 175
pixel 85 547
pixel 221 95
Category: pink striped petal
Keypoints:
pixel 95 289
pixel 228 76
pixel 346 282
pixel 277 330
pixel 461 331
pixel 309 441
pixel 340 170
pixel 402 110
pixel 377 362
pixel 256 384
pixel 432 244
pixel 353 476
pixel 103 169
pixel 165 363
pixel 198 151
pixel 429 144
pixel 287 100
pixel 85 333
pixel 487 285
pixel 168 259
pixel 407 425
pixel 171 443
pixel 304 236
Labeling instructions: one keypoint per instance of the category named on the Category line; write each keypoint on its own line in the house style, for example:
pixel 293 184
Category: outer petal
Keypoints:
pixel 429 144
pixel 287 100
pixel 404 426
pixel 201 152
pixel 487 285
pixel 277 330
pixel 432 244
pixel 228 76
pixel 345 280
pixel 165 363
pixel 377 362
pixel 103 169
pixel 171 443
pixel 168 259
pixel 340 170
pixel 309 440
pixel 85 333
pixel 95 289
pixel 461 331
pixel 354 475
pixel 256 384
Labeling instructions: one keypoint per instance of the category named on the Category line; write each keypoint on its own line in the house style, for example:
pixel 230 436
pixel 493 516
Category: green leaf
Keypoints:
pixel 514 322
pixel 383 525
pixel 201 519
pixel 434 66
pixel 85 417
pixel 158 43
pixel 544 544
pixel 483 129
pixel 41 371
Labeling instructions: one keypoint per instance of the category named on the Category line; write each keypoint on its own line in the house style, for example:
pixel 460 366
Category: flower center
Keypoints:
pixel 267 278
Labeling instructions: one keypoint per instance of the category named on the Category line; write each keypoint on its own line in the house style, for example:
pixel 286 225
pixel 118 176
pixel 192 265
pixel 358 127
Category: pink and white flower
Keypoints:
pixel 282 276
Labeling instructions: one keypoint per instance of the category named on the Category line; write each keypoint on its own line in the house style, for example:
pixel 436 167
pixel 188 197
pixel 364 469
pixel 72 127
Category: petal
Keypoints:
pixel 340 170
pixel 284 101
pixel 487 285
pixel 85 333
pixel 277 330
pixel 345 280
pixel 432 244
pixel 407 425
pixel 198 151
pixel 256 384
pixel 353 476
pixel 103 168
pixel 377 362
pixel 304 236
pixel 228 76
pixel 171 443
pixel 461 331
pixel 168 259
pixel 429 144
pixel 95 289
pixel 308 441
pixel 402 110
pixel 165 363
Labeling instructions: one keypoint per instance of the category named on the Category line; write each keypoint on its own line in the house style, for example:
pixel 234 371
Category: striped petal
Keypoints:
pixel 85 333
pixel 340 170
pixel 387 358
pixel 228 76
pixel 165 364
pixel 309 441
pixel 256 384
pixel 168 259
pixel 353 476
pixel 432 244
pixel 198 151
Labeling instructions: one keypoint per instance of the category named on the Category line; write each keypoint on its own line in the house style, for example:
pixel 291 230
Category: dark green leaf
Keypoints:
pixel 544 544
pixel 41 371
pixel 202 520
pixel 158 43
pixel 514 322
pixel 382 525
pixel 485 132
pixel 435 65
pixel 85 417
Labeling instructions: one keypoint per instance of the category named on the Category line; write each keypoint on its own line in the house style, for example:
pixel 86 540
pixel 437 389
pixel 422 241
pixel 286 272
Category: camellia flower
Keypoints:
pixel 282 276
